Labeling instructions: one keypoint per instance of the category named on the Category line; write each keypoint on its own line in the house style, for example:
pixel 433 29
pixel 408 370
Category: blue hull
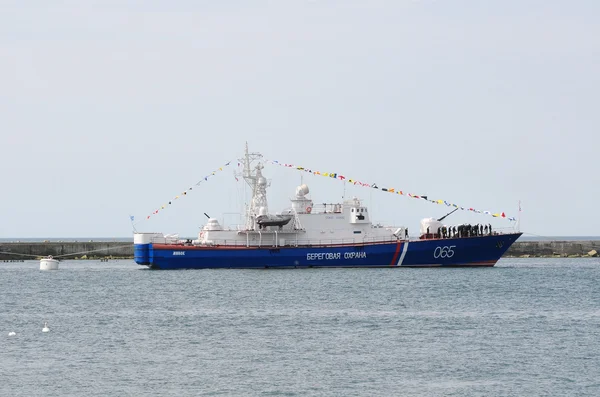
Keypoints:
pixel 467 251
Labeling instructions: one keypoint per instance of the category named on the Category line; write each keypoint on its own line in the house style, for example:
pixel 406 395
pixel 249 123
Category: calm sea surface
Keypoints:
pixel 528 327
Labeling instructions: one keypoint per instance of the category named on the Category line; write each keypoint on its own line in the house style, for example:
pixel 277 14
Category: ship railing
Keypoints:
pixel 270 240
pixel 505 230
pixel 494 232
pixel 164 240
pixel 273 243
pixel 345 241
pixel 333 208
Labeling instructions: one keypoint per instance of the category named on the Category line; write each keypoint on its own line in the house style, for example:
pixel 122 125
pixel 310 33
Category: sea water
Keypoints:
pixel 527 327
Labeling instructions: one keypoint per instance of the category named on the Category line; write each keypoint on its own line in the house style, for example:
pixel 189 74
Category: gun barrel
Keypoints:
pixel 443 217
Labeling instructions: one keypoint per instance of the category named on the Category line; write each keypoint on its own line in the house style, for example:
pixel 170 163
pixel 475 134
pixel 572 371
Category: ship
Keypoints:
pixel 309 235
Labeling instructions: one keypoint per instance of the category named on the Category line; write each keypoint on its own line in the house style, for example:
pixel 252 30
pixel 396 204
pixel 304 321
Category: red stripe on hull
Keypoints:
pixel 393 263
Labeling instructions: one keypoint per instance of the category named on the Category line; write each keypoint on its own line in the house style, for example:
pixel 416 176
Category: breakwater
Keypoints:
pixel 123 250
pixel 549 249
pixel 66 250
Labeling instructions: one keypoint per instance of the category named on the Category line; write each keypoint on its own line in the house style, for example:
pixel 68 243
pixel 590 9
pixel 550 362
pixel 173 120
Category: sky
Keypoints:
pixel 111 108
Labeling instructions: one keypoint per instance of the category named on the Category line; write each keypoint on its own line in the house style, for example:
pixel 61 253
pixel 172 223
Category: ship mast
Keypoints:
pixel 258 183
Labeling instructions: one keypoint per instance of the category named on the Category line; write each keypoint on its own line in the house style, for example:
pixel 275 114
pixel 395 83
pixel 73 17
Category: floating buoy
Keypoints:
pixel 12 333
pixel 49 263
pixel 45 329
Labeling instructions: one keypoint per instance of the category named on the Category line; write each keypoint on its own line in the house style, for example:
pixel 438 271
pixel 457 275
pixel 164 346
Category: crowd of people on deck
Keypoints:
pixel 465 230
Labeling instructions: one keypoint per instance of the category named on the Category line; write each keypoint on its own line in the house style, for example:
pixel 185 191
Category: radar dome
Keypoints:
pixel 302 190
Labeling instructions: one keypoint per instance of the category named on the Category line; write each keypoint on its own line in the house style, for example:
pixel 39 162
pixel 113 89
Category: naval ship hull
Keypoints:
pixel 448 252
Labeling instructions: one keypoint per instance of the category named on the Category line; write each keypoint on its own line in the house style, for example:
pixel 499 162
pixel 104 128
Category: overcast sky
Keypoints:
pixel 111 108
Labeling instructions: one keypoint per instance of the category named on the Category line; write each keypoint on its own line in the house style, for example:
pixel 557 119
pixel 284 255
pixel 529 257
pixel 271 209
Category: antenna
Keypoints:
pixel 519 218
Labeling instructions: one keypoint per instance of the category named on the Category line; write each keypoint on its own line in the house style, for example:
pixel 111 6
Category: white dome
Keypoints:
pixel 213 224
pixel 431 223
pixel 302 190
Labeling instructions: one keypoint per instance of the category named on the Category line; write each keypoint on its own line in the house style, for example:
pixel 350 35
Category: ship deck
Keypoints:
pixel 306 243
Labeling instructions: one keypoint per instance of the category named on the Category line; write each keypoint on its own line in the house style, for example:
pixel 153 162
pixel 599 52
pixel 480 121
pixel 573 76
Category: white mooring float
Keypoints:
pixel 48 263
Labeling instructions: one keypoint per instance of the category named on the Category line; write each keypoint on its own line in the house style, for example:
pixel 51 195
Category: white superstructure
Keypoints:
pixel 303 223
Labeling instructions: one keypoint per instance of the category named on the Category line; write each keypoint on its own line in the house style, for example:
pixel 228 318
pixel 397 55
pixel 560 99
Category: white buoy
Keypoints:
pixel 49 263
pixel 45 329
pixel 12 333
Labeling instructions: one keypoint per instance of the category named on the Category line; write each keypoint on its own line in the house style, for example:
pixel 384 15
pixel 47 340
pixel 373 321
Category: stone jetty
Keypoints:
pixel 66 250
pixel 556 249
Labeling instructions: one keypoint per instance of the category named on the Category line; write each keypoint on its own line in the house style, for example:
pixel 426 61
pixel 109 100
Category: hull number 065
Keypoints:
pixel 444 252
